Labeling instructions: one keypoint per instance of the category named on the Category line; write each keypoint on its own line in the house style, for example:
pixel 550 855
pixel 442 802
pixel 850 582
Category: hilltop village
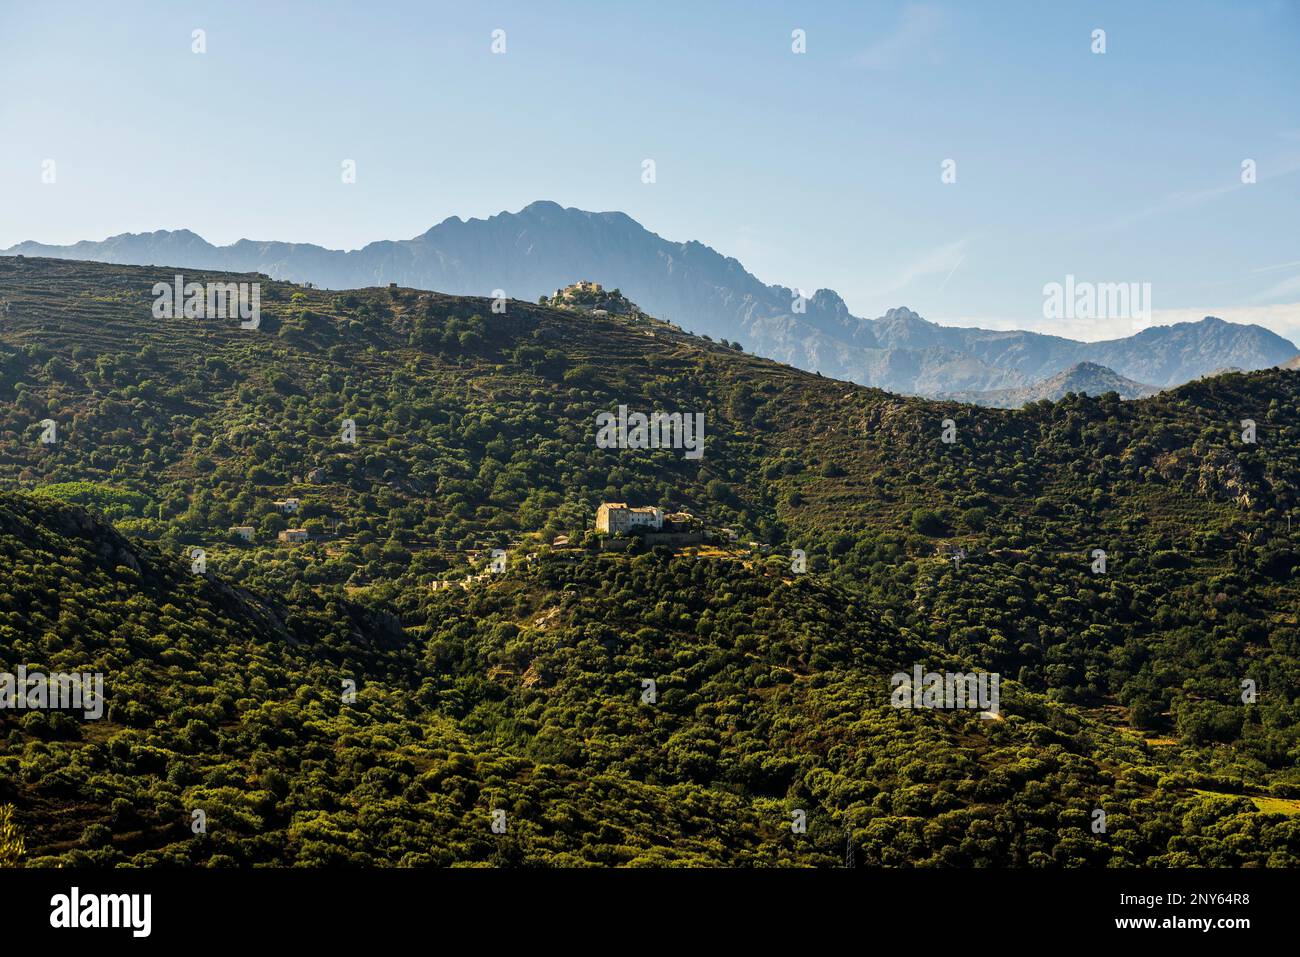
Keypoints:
pixel 591 297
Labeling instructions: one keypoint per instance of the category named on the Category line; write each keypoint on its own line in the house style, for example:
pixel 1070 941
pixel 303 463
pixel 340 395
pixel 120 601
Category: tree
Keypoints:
pixel 12 847
pixel 927 522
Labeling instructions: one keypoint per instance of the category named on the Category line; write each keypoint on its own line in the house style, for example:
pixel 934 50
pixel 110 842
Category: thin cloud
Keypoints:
pixel 941 260
pixel 943 285
pixel 1280 290
pixel 1188 199
pixel 913 36
pixel 1290 265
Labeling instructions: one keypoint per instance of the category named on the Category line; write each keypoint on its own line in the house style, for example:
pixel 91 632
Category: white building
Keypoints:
pixel 613 518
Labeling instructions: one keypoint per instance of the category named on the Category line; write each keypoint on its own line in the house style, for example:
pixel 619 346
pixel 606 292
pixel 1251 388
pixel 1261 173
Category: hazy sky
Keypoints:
pixel 820 169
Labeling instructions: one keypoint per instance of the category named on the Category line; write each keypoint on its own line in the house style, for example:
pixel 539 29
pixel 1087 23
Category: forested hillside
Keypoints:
pixel 525 691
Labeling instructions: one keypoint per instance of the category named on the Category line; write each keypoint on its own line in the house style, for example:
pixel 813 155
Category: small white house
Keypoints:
pixel 289 506
pixel 244 532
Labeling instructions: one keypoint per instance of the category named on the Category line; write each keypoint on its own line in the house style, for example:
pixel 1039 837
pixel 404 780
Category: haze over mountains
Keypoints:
pixel 545 246
pixel 1086 378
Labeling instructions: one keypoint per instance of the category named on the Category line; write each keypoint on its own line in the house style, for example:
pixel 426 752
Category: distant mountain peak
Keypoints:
pixel 1087 378
pixel 541 206
pixel 830 300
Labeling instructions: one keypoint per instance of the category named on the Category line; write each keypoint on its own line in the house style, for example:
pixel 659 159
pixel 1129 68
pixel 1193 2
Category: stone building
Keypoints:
pixel 615 518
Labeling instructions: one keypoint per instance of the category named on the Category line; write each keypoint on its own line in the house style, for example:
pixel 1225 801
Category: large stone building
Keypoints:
pixel 614 518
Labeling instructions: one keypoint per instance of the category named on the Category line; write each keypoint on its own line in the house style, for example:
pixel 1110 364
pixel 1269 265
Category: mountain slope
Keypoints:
pixel 488 710
pixel 522 691
pixel 545 246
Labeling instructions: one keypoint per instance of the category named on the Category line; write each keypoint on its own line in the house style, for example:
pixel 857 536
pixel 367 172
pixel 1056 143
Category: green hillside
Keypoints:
pixel 523 691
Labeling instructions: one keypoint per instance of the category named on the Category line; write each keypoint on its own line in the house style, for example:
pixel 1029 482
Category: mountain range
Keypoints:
pixel 544 246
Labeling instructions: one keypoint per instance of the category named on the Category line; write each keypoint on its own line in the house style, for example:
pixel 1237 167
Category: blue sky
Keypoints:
pixel 815 170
